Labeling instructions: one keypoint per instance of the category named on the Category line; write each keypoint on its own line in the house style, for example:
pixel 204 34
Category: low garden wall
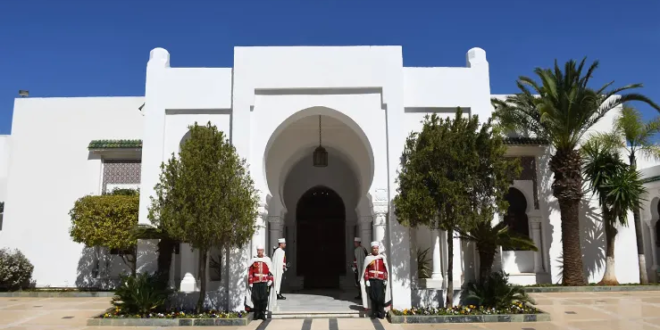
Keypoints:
pixel 171 322
pixel 591 288
pixel 57 294
pixel 540 317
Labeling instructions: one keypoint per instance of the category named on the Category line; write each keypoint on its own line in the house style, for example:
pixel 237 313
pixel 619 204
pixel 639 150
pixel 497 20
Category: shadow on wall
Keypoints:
pixel 549 207
pixel 592 238
pixel 399 251
pixel 238 260
pixel 100 270
pixel 94 270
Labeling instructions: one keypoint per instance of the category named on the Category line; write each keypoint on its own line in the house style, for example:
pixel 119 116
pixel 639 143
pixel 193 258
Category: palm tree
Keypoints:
pixel 488 238
pixel 564 108
pixel 638 136
pixel 619 189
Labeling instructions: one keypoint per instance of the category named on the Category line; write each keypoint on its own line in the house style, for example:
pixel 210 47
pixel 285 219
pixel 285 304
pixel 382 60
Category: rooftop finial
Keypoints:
pixel 475 56
pixel 160 56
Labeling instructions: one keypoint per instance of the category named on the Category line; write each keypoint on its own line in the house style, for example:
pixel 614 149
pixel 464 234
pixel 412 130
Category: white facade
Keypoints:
pixel 269 105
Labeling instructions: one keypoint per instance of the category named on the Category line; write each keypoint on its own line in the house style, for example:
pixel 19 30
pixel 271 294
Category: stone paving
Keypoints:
pixel 572 311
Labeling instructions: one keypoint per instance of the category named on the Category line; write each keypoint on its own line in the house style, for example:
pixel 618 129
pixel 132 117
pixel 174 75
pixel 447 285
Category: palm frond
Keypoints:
pixel 564 107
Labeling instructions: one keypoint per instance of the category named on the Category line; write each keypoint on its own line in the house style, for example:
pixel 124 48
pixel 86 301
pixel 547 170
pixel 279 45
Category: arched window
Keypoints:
pixel 516 215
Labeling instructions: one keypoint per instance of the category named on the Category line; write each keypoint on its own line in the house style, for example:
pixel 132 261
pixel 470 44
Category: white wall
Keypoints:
pixel 5 141
pixel 50 167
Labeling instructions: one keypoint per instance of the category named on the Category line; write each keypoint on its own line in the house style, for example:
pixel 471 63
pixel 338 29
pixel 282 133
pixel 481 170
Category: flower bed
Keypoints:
pixel 180 318
pixel 591 288
pixel 468 314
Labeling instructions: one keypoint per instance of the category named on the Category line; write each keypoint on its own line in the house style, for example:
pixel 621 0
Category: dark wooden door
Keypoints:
pixel 321 243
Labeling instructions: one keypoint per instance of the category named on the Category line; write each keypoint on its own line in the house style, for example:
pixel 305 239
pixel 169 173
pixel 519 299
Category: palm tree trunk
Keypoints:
pixel 203 254
pixel 450 269
pixel 609 278
pixel 486 259
pixel 567 188
pixel 641 259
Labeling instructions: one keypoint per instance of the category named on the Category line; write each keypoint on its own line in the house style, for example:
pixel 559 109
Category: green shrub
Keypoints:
pixel 15 270
pixel 423 264
pixel 140 294
pixel 494 292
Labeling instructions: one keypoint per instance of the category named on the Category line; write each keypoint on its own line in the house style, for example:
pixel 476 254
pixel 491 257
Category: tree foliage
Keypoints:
pixel 489 238
pixel 453 175
pixel 106 221
pixel 618 187
pixel 205 196
pixel 561 107
pixel 638 136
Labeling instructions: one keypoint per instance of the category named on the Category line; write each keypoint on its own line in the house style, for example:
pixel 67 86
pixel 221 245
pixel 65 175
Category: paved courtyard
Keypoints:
pixel 574 311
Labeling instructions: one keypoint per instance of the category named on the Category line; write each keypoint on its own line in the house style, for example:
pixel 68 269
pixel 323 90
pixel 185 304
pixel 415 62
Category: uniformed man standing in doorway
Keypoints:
pixel 279 267
pixel 260 279
pixel 374 282
pixel 359 253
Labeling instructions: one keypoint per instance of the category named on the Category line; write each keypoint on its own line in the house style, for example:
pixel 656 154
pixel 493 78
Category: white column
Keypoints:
pixel 154 128
pixel 379 226
pixel 188 281
pixel 458 261
pixel 364 227
pixel 535 223
pixel 443 251
pixel 437 280
pixel 276 226
pixel 259 237
pixel 437 260
pixel 654 247
pixel 380 208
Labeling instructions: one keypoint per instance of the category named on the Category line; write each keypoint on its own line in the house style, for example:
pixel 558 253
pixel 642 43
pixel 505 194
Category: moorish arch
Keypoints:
pixel 516 215
pixel 290 174
pixel 351 141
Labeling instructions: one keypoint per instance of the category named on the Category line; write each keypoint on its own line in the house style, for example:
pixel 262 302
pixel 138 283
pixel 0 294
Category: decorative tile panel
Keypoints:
pixel 121 172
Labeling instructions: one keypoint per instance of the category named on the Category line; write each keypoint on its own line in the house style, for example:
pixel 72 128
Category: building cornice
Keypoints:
pixel 114 144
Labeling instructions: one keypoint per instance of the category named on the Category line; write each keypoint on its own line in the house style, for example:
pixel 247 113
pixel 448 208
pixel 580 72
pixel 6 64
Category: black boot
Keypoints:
pixel 280 297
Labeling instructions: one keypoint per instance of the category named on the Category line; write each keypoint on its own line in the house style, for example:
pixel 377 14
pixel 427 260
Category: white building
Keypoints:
pixel 272 104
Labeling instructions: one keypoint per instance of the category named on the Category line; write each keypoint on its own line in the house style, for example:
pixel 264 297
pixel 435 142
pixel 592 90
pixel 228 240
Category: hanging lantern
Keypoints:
pixel 320 154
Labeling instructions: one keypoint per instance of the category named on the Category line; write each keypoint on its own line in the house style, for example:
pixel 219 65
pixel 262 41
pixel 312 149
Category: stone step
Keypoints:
pixel 316 314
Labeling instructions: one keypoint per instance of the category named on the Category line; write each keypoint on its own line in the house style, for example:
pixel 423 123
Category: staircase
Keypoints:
pixel 318 304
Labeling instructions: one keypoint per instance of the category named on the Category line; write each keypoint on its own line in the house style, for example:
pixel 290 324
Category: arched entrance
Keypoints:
pixel 516 216
pixel 320 225
pixel 292 178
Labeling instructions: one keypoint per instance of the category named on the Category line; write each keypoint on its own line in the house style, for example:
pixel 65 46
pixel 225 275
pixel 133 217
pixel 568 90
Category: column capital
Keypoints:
pixel 365 219
pixel 275 220
pixel 379 202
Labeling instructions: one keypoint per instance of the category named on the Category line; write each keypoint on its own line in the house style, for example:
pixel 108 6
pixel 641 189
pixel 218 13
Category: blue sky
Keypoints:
pixel 100 48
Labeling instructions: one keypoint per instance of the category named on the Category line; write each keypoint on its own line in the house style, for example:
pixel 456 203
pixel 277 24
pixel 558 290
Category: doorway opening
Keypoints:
pixel 320 221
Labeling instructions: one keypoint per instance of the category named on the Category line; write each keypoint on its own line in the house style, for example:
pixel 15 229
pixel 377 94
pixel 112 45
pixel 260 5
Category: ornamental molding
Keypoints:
pixel 379 202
